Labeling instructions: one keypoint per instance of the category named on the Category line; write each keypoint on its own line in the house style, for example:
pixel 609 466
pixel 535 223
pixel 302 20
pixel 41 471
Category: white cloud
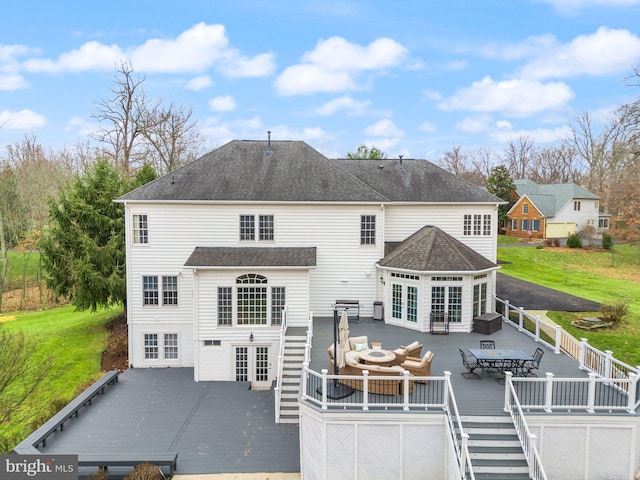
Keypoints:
pixel 568 6
pixel 475 124
pixel 604 52
pixel 518 97
pixel 81 126
pixel 90 56
pixel 222 104
pixel 194 50
pixel 218 132
pixel 346 103
pixel 540 135
pixel 12 82
pixel 21 120
pixel 198 83
pixel 428 127
pixel 384 128
pixel 431 95
pixel 335 64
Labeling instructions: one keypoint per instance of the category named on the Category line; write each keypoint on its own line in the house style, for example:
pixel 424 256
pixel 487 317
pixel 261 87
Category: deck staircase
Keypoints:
pixel 494 448
pixel 291 375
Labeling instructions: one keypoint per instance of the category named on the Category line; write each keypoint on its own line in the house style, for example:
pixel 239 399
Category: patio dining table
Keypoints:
pixel 502 359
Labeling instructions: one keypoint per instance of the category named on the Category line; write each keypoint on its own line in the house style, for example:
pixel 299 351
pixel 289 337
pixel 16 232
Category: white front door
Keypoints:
pixel 251 364
pixel 404 304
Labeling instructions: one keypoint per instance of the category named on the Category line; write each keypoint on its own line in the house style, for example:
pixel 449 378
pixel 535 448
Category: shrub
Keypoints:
pixel 607 241
pixel 101 474
pixel 145 471
pixel 539 247
pixel 556 242
pixel 574 241
pixel 614 311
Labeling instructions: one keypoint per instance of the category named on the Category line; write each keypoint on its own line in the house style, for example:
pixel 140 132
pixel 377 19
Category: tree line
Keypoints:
pixel 41 190
pixel 44 192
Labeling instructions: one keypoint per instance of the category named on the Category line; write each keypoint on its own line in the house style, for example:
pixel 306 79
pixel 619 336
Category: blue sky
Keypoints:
pixel 410 77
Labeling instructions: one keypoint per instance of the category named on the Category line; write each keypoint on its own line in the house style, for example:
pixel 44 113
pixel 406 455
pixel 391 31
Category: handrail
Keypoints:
pixel 527 439
pixel 461 447
pixel 278 388
pixel 603 364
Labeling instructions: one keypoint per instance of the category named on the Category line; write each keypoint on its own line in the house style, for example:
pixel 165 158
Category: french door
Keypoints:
pixel 404 304
pixel 251 364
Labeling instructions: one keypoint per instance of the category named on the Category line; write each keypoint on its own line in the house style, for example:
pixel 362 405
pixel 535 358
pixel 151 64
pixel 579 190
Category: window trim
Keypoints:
pixel 155 297
pixel 367 230
pixel 140 229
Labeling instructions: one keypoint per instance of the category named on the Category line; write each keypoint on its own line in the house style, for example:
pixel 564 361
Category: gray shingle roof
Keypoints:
pixel 292 171
pixel 550 198
pixel 432 250
pixel 252 257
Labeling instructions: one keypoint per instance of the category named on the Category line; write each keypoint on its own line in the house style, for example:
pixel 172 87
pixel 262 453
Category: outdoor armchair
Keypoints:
pixel 419 367
pixel 402 352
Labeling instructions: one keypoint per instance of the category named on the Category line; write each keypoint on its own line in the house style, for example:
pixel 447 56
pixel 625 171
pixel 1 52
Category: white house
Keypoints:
pixel 218 248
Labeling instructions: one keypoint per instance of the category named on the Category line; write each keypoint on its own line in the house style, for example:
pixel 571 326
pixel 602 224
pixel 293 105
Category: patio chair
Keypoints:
pixel 471 363
pixel 488 344
pixel 419 367
pixel 529 366
pixel 403 352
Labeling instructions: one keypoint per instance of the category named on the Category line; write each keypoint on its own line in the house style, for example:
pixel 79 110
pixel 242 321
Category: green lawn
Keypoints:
pixel 74 340
pixel 596 275
pixel 17 263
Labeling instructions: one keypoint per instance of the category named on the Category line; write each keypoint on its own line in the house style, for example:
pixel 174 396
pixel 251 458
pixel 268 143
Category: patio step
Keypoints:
pixel 494 448
pixel 291 377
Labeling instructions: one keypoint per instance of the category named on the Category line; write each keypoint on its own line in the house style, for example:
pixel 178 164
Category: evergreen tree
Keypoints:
pixel 366 152
pixel 83 251
pixel 501 185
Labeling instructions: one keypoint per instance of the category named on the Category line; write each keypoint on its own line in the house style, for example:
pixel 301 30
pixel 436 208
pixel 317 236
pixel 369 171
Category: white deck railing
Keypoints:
pixel 277 391
pixel 461 439
pixel 528 440
pixel 589 358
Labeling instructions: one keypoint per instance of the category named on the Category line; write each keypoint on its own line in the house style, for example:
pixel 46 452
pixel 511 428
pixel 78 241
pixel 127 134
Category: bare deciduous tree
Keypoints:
pixel 22 372
pixel 172 137
pixel 122 117
pixel 138 130
pixel 518 155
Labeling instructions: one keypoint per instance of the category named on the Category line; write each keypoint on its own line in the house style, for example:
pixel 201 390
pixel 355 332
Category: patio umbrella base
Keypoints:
pixel 336 391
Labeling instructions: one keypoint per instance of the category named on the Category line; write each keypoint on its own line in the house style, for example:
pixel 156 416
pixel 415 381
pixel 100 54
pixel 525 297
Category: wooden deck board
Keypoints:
pixel 223 427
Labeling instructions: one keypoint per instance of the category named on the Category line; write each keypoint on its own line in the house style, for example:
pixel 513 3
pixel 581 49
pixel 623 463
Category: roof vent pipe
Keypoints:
pixel 269 137
pixel 400 159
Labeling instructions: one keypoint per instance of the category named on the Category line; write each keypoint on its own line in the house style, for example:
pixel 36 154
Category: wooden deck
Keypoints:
pixel 223 427
pixel 474 396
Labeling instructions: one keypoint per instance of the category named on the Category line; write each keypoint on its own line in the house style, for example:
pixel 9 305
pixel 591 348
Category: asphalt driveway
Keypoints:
pixel 534 297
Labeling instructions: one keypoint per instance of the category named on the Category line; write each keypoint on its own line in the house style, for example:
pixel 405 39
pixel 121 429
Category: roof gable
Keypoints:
pixel 550 198
pixel 292 171
pixel 432 250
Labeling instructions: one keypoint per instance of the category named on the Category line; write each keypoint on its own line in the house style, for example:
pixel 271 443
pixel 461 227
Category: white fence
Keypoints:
pixel 589 358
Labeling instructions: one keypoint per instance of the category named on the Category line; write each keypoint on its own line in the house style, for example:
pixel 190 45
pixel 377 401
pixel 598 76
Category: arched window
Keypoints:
pixel 252 300
pixel 525 208
pixel 251 278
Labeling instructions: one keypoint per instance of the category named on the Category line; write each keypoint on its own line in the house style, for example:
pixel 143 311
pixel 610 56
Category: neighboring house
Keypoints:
pixel 218 248
pixel 553 210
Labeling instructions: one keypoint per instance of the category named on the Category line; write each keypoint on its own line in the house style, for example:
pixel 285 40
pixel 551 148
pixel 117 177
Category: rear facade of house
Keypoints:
pixel 220 252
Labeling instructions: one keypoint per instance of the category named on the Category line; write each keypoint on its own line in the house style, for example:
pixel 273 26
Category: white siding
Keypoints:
pixel 587 215
pixel 344 268
pixel 404 220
